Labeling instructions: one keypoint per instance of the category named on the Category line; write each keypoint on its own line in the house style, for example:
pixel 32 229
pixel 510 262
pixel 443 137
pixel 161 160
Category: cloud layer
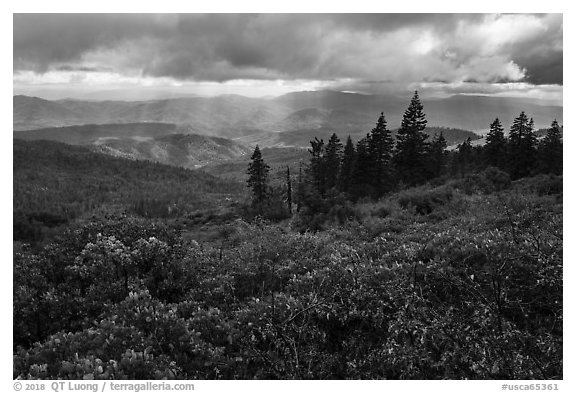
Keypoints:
pixel 356 49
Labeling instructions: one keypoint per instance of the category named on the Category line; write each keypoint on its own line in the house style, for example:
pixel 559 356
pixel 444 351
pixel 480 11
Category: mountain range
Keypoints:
pixel 219 133
pixel 158 142
pixel 234 116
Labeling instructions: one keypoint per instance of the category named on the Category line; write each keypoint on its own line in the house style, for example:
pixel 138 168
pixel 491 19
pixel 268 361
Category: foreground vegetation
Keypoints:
pixel 457 279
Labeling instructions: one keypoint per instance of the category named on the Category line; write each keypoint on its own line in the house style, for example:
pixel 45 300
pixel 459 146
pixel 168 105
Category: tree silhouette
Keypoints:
pixel 550 150
pixel 332 160
pixel 288 190
pixel 380 145
pixel 521 147
pixel 411 146
pixel 316 169
pixel 346 178
pixel 437 156
pixel 495 147
pixel 362 170
pixel 464 157
pixel 258 178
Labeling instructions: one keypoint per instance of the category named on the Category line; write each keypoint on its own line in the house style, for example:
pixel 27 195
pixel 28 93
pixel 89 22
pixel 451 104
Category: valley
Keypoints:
pixel 200 132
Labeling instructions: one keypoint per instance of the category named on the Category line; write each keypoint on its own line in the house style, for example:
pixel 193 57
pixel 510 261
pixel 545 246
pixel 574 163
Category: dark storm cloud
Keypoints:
pixel 391 22
pixel 544 69
pixel 360 47
pixel 82 68
pixel 43 39
pixel 543 56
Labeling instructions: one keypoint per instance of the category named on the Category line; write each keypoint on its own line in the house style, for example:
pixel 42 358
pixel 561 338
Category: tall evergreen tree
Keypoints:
pixel 288 190
pixel 550 150
pixel 258 178
pixel 463 161
pixel 346 178
pixel 411 146
pixel 521 147
pixel 437 155
pixel 316 170
pixel 362 182
pixel 380 146
pixel 332 160
pixel 300 188
pixel 495 147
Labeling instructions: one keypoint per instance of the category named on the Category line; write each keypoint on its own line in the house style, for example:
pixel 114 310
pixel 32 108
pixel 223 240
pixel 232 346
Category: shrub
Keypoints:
pixel 425 201
pixel 488 181
pixel 476 294
pixel 543 184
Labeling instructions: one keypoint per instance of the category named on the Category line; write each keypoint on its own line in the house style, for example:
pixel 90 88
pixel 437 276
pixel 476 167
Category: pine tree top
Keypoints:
pixel 414 120
pixel 381 123
pixel 257 154
pixel 554 133
pixel 496 132
pixel 349 147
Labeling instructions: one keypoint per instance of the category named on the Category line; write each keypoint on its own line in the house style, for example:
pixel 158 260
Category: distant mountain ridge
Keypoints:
pixel 189 132
pixel 89 133
pixel 202 115
pixel 158 142
pixel 236 116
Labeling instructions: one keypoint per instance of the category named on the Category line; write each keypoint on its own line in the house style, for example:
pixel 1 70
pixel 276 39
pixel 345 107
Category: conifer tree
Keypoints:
pixel 300 188
pixel 362 182
pixel 258 178
pixel 332 160
pixel 495 147
pixel 521 147
pixel 437 155
pixel 346 177
pixel 464 157
pixel 288 190
pixel 380 145
pixel 411 146
pixel 550 150
pixel 316 171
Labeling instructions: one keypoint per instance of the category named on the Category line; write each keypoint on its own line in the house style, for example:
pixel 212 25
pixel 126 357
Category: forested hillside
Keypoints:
pixel 55 183
pixel 87 134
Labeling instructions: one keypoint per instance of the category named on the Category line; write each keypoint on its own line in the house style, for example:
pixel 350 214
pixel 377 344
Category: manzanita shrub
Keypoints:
pixel 471 289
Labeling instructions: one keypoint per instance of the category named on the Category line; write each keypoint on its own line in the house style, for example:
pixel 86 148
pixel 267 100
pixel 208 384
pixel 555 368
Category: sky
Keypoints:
pixel 132 56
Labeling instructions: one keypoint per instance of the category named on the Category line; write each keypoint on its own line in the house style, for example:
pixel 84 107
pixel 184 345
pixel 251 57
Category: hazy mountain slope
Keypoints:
pixel 33 112
pixel 458 111
pixel 477 113
pixel 188 151
pixel 236 116
pixel 158 142
pixel 204 115
pixel 91 133
pixel 361 103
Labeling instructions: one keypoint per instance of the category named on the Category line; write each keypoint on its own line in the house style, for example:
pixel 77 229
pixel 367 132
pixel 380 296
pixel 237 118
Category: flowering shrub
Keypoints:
pixel 474 293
